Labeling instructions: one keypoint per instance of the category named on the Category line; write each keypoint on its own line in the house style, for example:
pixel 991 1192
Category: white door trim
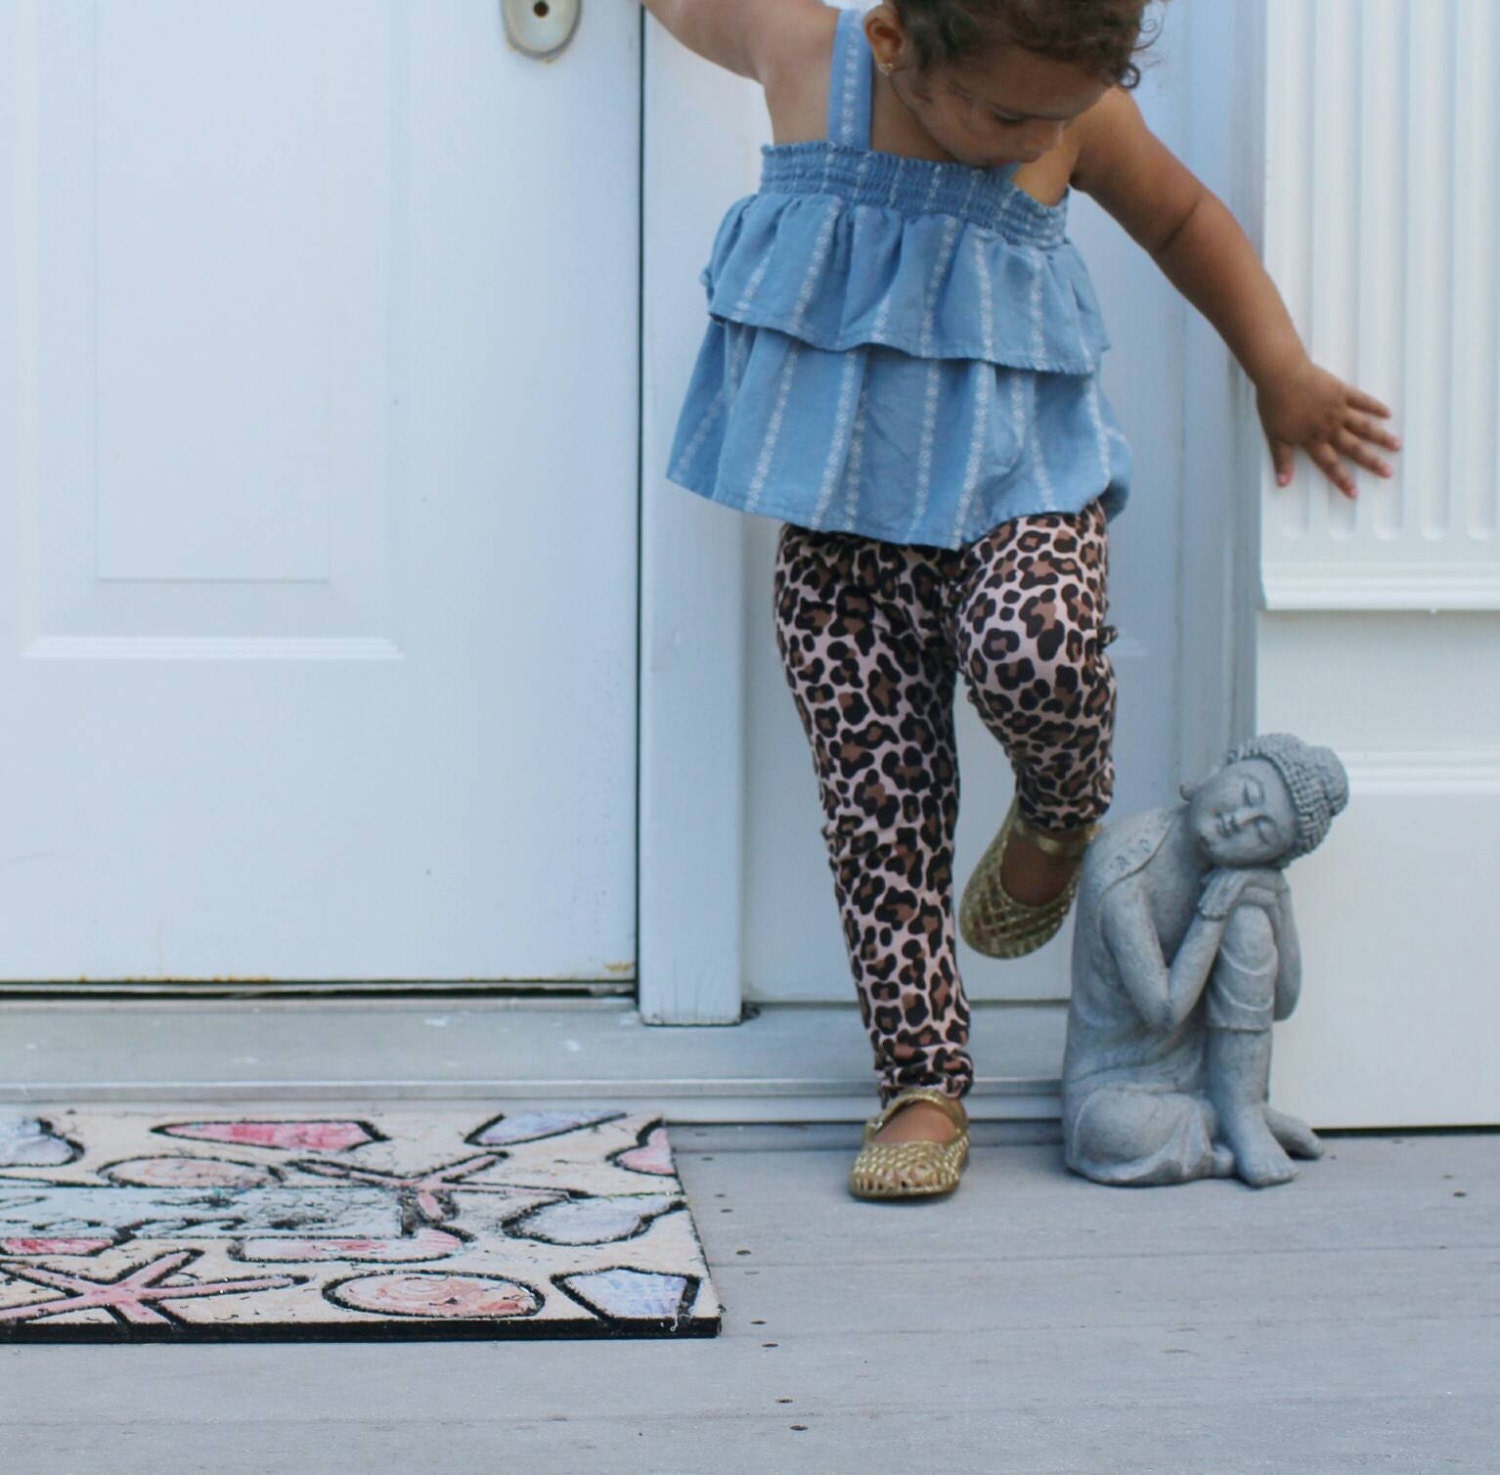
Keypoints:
pixel 1219 575
pixel 691 860
pixel 693 617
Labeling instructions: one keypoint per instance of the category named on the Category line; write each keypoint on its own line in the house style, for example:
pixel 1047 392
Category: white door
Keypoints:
pixel 318 510
pixel 794 945
pixel 737 905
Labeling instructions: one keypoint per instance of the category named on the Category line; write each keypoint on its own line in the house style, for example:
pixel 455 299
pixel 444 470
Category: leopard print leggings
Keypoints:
pixel 872 635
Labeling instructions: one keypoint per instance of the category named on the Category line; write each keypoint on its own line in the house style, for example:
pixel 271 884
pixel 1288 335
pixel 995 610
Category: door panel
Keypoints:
pixel 794 945
pixel 322 534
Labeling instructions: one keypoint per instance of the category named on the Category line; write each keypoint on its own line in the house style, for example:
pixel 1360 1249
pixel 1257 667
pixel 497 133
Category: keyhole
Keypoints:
pixel 540 9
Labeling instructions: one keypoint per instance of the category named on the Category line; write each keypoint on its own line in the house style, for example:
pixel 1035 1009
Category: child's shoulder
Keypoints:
pixel 772 41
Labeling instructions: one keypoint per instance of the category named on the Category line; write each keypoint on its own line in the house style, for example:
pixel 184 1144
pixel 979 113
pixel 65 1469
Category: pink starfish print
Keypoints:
pixel 126 1297
pixel 426 1190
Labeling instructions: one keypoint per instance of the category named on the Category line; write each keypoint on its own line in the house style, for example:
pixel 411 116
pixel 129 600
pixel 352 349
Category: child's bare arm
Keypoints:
pixel 1208 258
pixel 747 37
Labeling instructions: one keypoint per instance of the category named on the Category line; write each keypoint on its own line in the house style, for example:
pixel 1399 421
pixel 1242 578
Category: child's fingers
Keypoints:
pixel 1361 452
pixel 1326 459
pixel 1283 458
pixel 1368 403
pixel 1361 425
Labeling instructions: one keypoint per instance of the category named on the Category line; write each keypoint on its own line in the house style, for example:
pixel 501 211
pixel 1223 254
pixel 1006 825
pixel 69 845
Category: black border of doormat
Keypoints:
pixel 419 1331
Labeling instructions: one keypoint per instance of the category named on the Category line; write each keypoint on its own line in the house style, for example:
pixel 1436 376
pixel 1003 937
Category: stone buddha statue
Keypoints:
pixel 1184 953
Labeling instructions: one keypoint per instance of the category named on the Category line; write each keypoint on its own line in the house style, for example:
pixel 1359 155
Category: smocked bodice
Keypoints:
pixel 842 245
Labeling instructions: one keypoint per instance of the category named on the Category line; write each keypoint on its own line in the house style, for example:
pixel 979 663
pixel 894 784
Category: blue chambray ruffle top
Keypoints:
pixel 903 348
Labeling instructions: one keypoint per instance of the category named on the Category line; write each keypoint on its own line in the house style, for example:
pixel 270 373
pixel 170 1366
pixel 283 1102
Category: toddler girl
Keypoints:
pixel 901 364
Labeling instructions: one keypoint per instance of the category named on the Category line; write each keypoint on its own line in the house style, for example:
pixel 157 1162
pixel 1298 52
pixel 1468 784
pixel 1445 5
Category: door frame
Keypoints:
pixel 691 856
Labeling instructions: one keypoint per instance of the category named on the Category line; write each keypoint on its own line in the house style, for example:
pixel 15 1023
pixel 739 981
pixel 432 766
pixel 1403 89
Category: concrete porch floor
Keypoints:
pixel 1033 1323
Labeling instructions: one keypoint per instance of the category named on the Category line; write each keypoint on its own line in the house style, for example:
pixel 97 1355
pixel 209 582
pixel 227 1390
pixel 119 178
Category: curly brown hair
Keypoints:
pixel 1100 36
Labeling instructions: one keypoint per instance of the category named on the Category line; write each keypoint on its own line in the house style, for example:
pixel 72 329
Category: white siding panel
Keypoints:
pixel 1380 230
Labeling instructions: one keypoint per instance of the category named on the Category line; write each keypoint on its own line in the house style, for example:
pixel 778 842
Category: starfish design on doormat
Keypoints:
pixel 127 1298
pixel 431 1191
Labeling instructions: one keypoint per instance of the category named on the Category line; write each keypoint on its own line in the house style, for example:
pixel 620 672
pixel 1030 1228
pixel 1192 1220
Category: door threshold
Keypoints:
pixel 787 1063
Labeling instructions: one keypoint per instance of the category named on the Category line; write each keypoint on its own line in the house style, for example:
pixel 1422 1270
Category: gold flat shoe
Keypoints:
pixel 992 921
pixel 911 1169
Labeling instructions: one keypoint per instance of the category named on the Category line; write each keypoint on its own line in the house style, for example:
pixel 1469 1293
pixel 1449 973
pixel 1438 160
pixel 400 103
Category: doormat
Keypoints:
pixel 137 1226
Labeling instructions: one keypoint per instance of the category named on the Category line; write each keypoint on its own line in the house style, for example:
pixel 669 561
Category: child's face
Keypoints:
pixel 1011 110
pixel 1243 815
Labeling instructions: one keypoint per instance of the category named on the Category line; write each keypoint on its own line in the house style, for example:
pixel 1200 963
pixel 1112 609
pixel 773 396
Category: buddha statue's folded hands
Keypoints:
pixel 1226 889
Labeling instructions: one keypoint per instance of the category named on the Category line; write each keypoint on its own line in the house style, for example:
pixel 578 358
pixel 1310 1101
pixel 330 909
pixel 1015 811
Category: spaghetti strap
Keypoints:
pixel 850 88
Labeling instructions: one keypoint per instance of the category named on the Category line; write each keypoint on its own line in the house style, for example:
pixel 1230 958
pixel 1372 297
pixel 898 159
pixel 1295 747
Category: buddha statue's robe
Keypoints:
pixel 1135 1107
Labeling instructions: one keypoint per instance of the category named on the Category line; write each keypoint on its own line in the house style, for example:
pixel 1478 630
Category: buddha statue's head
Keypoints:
pixel 1272 801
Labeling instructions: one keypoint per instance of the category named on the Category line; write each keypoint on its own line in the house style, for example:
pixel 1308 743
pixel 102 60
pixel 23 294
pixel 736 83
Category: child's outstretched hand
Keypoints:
pixel 1308 407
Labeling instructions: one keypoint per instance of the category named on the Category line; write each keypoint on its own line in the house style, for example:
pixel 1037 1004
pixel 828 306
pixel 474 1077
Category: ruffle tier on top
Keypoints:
pixel 843 247
pixel 902 348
